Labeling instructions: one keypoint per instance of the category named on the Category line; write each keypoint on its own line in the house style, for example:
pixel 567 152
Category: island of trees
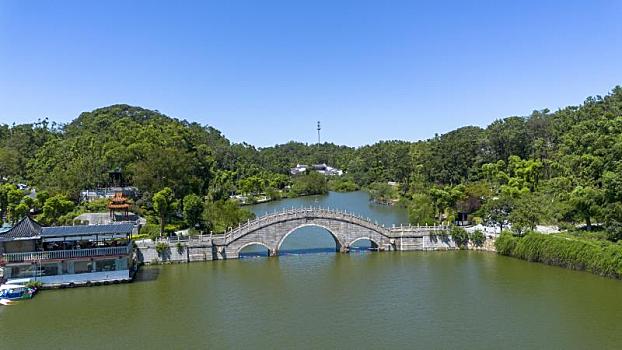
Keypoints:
pixel 560 168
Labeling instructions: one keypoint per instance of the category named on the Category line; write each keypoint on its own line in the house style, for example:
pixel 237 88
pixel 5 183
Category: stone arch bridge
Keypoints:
pixel 346 228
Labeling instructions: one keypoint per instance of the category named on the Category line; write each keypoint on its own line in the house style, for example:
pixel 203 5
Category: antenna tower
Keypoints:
pixel 318 132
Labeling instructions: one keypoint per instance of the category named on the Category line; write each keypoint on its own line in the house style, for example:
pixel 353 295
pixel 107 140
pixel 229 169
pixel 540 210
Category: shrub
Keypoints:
pixel 477 220
pixel 460 236
pixel 34 284
pixel 150 230
pixel 97 206
pixel 170 229
pixel 342 184
pixel 565 226
pixel 505 243
pixel 599 257
pixel 161 247
pixel 478 238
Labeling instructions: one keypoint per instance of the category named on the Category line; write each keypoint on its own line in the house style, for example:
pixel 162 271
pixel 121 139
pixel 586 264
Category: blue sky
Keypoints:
pixel 265 71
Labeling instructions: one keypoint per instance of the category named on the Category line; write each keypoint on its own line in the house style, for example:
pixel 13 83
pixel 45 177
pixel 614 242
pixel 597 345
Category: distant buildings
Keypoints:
pixel 108 193
pixel 116 185
pixel 320 168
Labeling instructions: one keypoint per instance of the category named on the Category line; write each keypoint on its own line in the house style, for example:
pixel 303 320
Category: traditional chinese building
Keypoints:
pixel 119 203
pixel 66 255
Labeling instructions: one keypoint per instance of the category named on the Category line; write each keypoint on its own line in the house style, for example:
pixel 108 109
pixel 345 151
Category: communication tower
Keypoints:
pixel 318 132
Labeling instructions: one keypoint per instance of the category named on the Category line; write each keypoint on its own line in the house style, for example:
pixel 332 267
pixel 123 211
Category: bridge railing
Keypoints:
pixel 302 212
pixel 66 254
pixel 411 227
pixel 276 216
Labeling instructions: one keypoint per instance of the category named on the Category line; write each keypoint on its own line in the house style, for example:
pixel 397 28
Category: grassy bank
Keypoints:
pixel 599 257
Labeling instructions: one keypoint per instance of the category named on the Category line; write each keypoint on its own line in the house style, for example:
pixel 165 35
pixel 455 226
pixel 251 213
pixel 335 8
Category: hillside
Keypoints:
pixel 565 165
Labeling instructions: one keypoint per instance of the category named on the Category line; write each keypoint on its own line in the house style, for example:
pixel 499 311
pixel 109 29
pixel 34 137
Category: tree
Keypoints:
pixel 453 157
pixel 342 184
pixel 441 199
pixel 273 193
pixel 14 197
pixel 224 214
pixel 495 174
pixel 571 160
pixel 498 210
pixel 163 204
pixel 28 201
pixel 251 185
pixel 311 183
pixel 19 145
pixel 527 213
pixel 421 210
pixel 446 198
pixel 54 208
pixel 382 192
pixel 4 198
pixel 20 211
pixel 508 137
pixel 613 221
pixel 8 162
pixel 612 184
pixel 528 171
pixel 585 201
pixel 193 210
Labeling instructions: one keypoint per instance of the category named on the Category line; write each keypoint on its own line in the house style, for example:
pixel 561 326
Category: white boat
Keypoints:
pixel 11 292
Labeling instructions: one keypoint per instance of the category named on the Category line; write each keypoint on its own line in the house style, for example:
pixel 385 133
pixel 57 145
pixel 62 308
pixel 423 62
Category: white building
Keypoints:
pixel 320 168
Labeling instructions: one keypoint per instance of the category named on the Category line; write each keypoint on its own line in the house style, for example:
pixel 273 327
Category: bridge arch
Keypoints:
pixel 239 251
pixel 374 242
pixel 273 229
pixel 338 242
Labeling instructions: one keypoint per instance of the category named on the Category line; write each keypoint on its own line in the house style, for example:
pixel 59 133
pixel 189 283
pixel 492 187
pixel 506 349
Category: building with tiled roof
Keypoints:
pixel 64 255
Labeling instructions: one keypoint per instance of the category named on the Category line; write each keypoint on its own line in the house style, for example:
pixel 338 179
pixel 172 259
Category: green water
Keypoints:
pixel 428 300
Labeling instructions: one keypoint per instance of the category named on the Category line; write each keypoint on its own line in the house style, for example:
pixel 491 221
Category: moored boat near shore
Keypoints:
pixel 12 292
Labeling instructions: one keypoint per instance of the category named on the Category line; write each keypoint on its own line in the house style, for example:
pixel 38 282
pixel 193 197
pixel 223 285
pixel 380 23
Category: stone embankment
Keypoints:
pixel 200 249
pixel 175 250
pixel 271 230
pixel 488 246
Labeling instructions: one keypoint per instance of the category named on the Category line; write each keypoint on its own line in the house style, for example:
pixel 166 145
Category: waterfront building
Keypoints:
pixel 64 255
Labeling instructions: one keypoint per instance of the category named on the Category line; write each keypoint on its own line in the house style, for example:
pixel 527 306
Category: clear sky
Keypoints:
pixel 265 71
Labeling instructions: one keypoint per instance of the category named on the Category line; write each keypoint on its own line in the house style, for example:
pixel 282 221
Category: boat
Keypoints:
pixel 11 292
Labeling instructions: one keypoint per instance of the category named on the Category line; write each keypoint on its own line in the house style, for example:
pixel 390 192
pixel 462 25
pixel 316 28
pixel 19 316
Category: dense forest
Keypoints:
pixel 562 168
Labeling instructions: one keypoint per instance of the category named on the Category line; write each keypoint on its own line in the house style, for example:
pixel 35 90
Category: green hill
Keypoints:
pixel 550 167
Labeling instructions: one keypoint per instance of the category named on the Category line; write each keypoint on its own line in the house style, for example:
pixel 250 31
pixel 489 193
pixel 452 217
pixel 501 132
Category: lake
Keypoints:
pixel 312 297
